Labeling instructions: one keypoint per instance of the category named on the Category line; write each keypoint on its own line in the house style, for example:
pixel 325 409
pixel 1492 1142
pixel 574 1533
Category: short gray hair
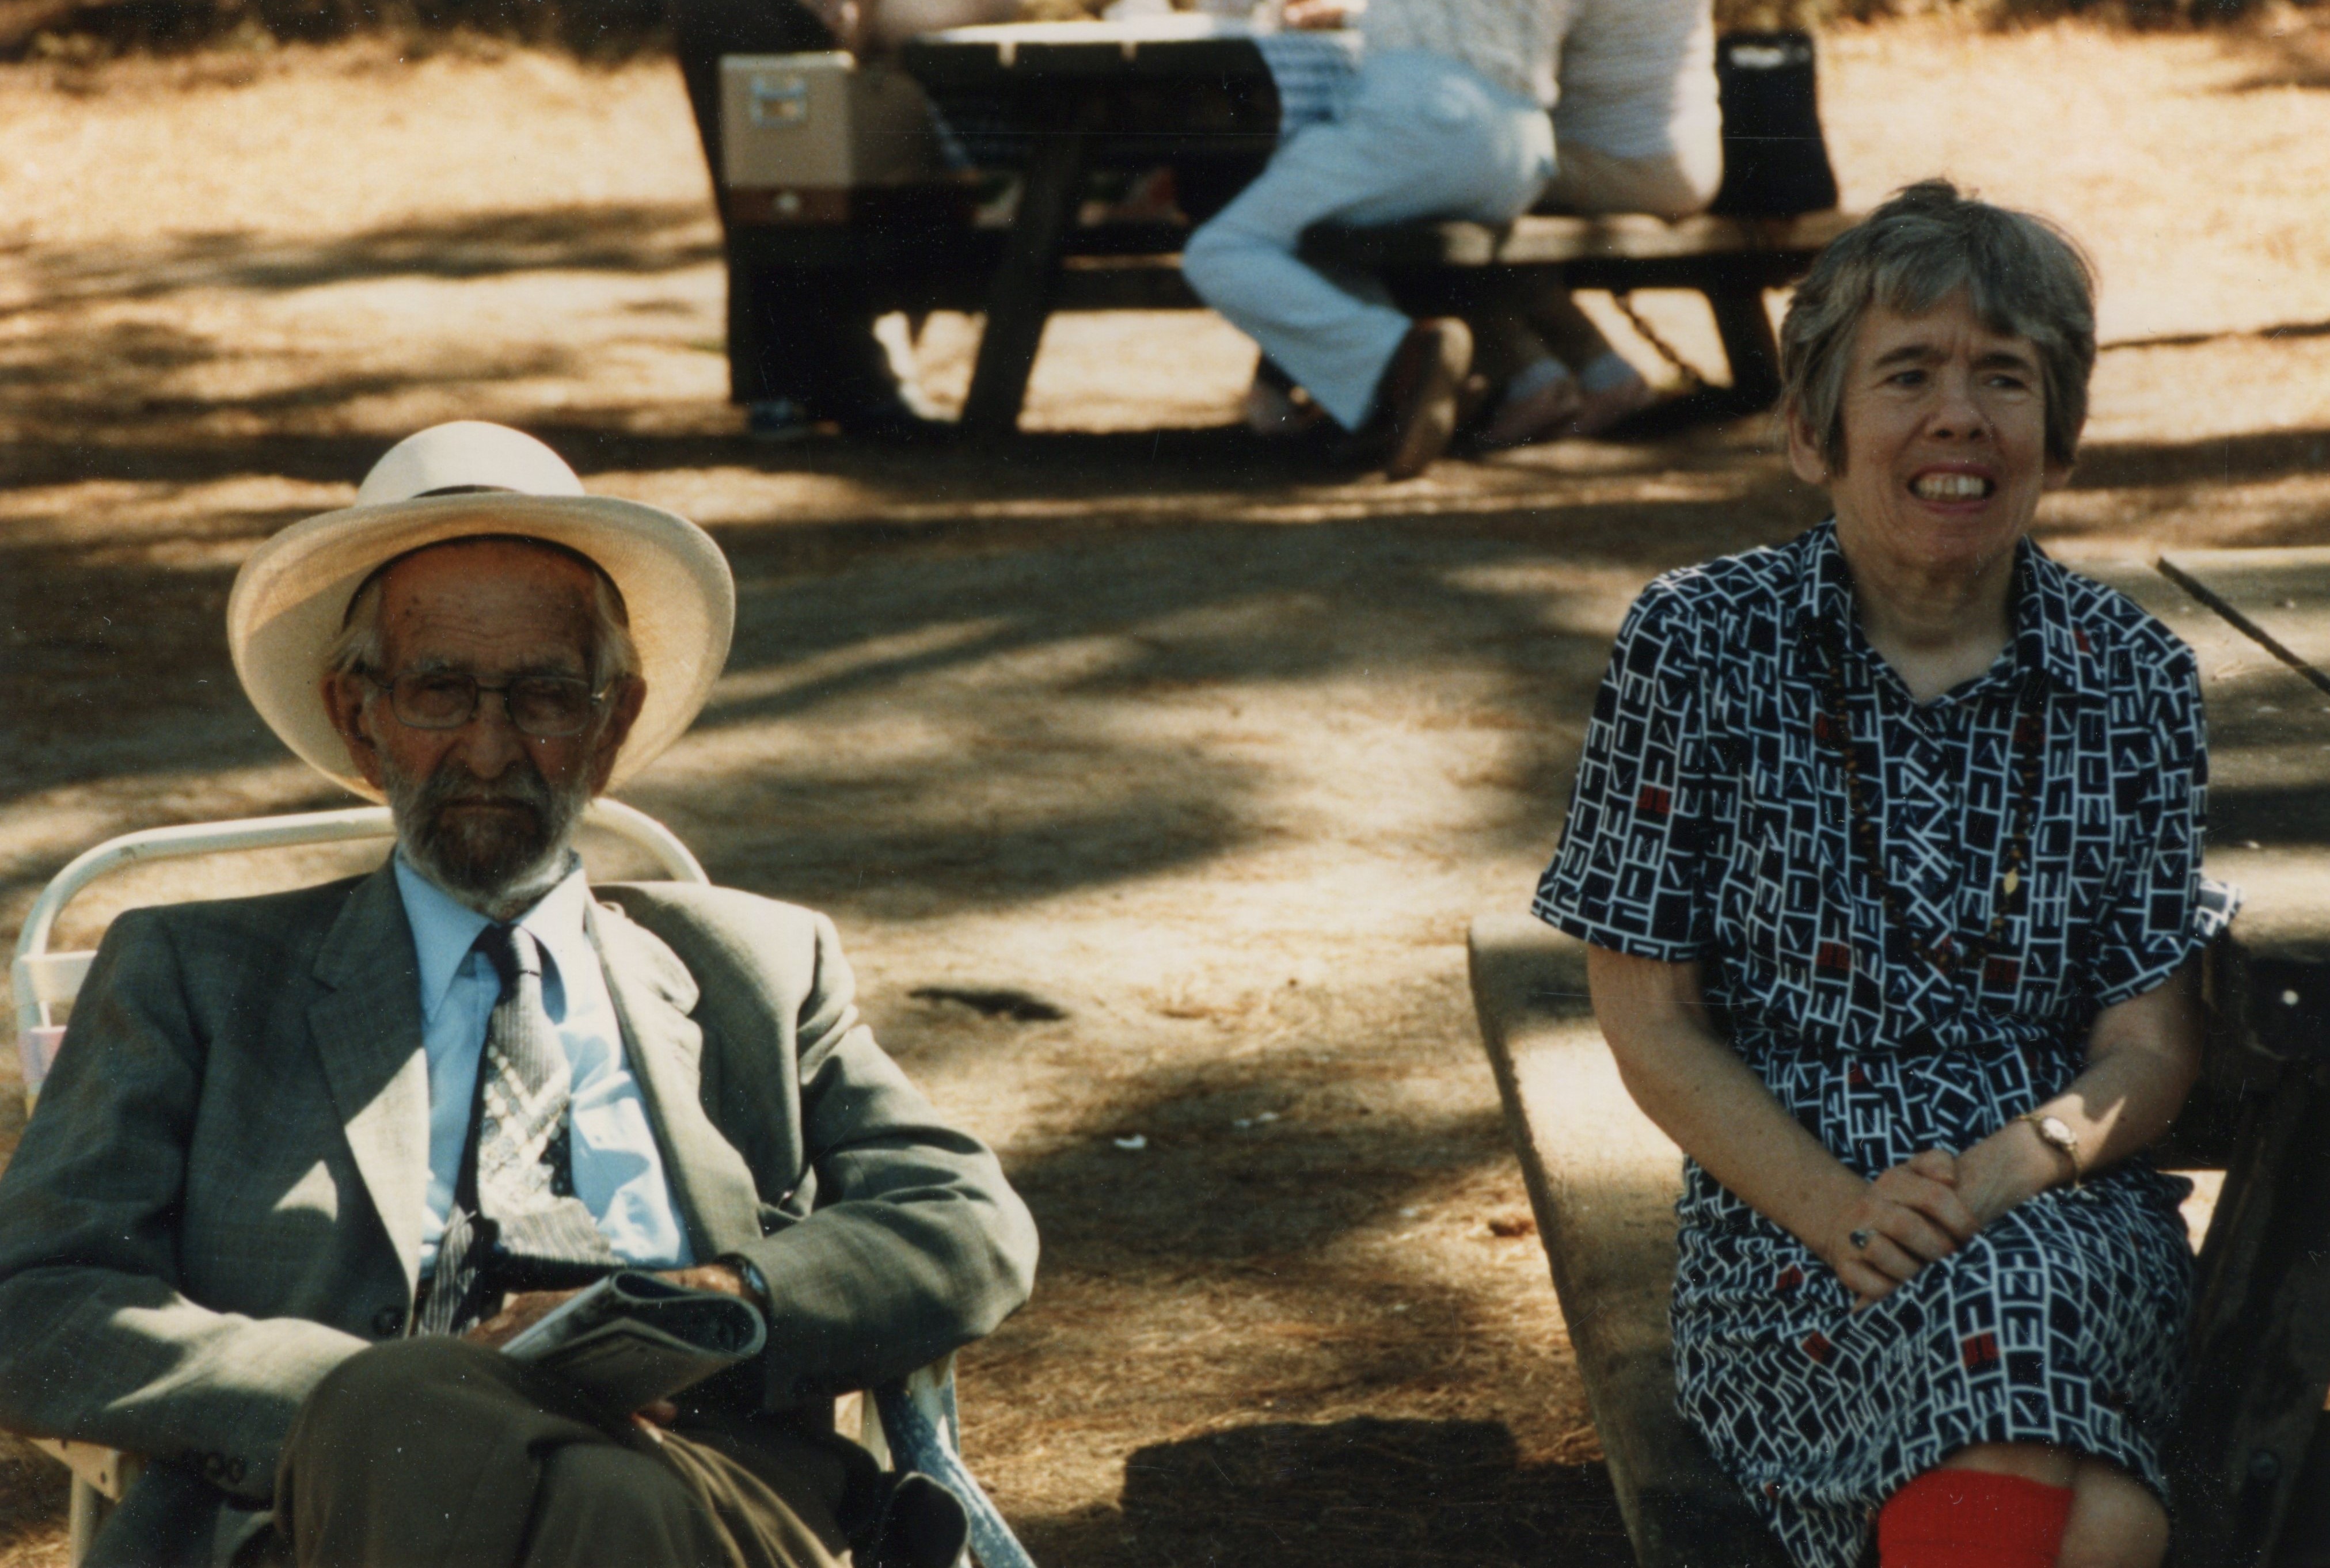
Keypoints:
pixel 2021 275
pixel 361 646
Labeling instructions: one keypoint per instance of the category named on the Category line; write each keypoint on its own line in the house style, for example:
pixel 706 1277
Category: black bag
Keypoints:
pixel 1775 159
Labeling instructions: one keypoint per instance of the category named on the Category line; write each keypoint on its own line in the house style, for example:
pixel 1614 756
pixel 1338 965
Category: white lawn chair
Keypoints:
pixel 909 1424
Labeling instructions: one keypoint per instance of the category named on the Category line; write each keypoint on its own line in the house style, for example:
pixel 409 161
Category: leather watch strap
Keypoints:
pixel 749 1272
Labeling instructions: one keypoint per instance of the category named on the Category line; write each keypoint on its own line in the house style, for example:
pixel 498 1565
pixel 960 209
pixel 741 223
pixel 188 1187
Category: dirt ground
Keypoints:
pixel 1208 754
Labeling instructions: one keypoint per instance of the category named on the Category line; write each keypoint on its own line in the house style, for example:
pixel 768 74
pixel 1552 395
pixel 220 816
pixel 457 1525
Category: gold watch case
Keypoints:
pixel 2056 1134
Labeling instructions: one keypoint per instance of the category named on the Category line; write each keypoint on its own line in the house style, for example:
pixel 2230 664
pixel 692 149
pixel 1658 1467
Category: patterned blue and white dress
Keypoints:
pixel 1710 822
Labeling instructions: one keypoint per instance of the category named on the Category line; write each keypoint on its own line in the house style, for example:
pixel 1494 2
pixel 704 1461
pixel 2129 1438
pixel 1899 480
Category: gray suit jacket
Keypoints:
pixel 220 1199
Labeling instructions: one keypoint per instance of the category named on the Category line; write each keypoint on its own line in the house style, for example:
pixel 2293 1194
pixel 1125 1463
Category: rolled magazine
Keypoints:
pixel 633 1339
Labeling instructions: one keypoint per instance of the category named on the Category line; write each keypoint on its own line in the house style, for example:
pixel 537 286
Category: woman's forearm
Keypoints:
pixel 2143 1056
pixel 1874 1234
pixel 1688 1081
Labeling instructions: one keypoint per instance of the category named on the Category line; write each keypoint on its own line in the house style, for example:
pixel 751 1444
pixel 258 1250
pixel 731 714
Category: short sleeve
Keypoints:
pixel 2162 910
pixel 1631 874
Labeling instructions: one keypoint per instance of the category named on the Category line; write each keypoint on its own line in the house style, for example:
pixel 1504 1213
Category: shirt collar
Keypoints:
pixel 2047 636
pixel 2049 628
pixel 444 928
pixel 559 923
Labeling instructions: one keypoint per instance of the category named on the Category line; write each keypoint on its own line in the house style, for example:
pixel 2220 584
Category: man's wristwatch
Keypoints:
pixel 2056 1134
pixel 753 1280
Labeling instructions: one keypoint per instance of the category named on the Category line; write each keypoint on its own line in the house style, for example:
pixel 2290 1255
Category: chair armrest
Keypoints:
pixel 109 1472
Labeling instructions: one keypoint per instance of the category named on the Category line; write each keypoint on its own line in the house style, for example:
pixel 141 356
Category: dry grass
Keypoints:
pixel 1212 754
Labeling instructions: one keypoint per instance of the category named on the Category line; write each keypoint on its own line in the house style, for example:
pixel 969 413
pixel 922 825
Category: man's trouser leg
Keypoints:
pixel 436 1453
pixel 1420 136
pixel 793 333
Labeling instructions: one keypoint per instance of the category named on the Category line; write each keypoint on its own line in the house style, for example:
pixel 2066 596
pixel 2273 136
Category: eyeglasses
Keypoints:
pixel 545 707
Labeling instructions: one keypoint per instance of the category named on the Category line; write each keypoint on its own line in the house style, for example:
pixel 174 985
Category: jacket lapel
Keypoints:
pixel 367 1030
pixel 653 994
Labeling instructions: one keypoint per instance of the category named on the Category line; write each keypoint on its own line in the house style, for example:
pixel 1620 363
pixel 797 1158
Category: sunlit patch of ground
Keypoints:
pixel 1211 752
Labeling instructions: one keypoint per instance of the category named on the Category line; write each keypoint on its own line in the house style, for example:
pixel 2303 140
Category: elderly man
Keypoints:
pixel 306 1159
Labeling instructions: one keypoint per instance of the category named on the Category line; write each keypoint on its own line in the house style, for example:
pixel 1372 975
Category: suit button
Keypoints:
pixel 388 1322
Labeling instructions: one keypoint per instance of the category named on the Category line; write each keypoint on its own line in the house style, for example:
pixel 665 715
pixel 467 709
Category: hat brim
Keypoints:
pixel 291 598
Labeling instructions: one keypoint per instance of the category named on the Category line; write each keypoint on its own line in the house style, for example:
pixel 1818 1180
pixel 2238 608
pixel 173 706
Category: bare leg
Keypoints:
pixel 2040 1462
pixel 2116 1521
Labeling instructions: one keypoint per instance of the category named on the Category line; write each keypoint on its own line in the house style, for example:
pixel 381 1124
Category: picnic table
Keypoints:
pixel 1052 102
pixel 1077 92
pixel 2251 1457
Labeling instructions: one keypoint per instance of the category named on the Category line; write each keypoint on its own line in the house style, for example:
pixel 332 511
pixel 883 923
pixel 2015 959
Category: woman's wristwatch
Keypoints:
pixel 2056 1134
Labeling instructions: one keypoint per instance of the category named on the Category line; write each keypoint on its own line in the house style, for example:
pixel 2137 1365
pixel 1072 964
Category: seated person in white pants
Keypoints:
pixel 1446 118
pixel 1637 129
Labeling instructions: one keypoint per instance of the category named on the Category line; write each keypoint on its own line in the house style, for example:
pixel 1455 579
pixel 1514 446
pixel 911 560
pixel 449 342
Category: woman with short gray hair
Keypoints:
pixel 1887 843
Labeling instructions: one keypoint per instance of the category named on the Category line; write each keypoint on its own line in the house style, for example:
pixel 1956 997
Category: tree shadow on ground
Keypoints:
pixel 1036 464
pixel 1025 643
pixel 77 428
pixel 636 238
pixel 2284 57
pixel 1203 1190
pixel 115 668
pixel 1031 669
pixel 1355 1493
pixel 2261 455
pixel 122 371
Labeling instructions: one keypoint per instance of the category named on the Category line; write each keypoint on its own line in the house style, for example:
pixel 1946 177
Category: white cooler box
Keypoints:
pixel 801 133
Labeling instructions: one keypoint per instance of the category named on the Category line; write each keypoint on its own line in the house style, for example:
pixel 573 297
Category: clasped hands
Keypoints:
pixel 1917 1212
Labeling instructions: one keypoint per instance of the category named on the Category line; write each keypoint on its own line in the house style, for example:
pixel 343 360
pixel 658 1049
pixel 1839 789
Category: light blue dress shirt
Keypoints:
pixel 618 1169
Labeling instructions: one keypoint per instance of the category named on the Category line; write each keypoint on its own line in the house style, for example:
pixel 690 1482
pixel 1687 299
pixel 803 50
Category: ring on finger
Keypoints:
pixel 1862 1238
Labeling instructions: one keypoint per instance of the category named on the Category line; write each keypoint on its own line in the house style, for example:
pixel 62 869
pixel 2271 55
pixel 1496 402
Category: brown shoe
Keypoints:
pixel 1416 400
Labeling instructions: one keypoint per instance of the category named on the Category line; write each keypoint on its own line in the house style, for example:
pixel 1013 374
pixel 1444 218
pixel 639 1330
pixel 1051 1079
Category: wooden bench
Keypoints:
pixel 2254 1471
pixel 1603 1181
pixel 2251 1459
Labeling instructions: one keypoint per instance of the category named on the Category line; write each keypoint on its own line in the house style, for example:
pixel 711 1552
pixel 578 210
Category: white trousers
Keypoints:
pixel 1419 135
pixel 1673 185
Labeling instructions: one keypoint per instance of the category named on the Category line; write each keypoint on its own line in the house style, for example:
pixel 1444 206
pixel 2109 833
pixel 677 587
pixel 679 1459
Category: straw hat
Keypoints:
pixel 451 481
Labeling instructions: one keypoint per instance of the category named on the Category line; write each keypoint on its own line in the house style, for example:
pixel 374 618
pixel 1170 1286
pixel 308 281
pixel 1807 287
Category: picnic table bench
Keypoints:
pixel 2251 1457
pixel 1081 96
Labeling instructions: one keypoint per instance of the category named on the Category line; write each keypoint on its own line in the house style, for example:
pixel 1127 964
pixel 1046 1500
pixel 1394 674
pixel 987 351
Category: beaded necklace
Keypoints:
pixel 2030 757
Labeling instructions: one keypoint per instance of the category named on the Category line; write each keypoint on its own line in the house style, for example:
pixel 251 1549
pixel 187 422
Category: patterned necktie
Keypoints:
pixel 515 1223
pixel 522 1077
